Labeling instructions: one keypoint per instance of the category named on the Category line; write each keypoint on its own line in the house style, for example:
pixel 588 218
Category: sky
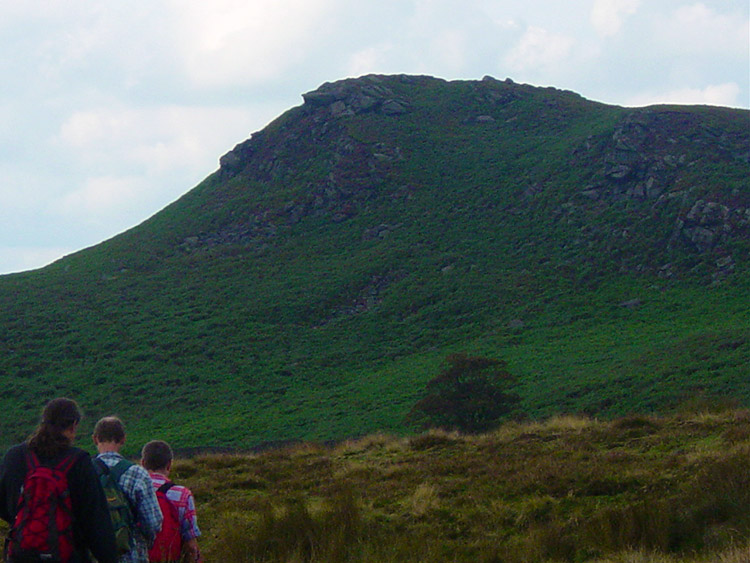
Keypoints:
pixel 111 110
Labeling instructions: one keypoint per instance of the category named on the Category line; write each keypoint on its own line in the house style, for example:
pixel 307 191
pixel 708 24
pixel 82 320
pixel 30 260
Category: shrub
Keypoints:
pixel 470 394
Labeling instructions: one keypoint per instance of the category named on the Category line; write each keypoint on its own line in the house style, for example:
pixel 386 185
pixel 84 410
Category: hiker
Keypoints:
pixel 133 480
pixel 179 534
pixel 72 517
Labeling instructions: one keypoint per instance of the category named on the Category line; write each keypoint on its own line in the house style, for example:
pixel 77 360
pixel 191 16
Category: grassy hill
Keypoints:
pixel 310 287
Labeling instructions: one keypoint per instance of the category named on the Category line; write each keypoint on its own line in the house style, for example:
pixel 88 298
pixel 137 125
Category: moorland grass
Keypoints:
pixel 570 489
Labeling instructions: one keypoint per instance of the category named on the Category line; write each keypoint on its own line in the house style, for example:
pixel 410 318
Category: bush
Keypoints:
pixel 470 394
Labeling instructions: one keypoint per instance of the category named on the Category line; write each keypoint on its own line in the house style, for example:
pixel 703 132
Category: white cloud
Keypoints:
pixel 369 60
pixel 505 23
pixel 159 139
pixel 92 128
pixel 696 28
pixel 607 16
pixel 716 95
pixel 130 162
pixel 450 46
pixel 244 42
pixel 14 192
pixel 539 47
pixel 100 198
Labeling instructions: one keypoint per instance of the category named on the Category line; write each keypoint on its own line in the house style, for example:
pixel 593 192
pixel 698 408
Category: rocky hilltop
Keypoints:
pixel 647 163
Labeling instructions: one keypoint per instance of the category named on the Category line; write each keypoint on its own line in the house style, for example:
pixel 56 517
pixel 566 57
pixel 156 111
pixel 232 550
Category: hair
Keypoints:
pixel 110 429
pixel 58 415
pixel 156 455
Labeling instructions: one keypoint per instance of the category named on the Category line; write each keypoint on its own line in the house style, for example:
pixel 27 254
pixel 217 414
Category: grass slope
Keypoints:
pixel 310 287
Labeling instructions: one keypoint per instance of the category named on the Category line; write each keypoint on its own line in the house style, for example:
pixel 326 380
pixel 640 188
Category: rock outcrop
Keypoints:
pixel 638 184
pixel 356 96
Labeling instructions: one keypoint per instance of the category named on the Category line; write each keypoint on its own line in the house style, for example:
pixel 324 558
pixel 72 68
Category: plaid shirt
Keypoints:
pixel 136 485
pixel 182 498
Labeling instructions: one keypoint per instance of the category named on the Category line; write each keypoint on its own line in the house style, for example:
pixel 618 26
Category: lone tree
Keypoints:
pixel 470 394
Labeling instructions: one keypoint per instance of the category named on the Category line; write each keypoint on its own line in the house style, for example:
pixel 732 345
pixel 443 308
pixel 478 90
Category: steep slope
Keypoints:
pixel 310 286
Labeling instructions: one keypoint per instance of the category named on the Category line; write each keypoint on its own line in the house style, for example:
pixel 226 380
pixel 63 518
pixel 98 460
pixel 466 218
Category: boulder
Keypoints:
pixel 707 213
pixel 394 107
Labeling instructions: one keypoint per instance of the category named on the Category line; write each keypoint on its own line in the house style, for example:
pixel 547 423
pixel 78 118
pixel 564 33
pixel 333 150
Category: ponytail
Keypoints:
pixel 48 439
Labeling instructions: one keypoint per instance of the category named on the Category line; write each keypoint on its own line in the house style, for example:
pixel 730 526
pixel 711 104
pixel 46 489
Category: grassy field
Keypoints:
pixel 571 489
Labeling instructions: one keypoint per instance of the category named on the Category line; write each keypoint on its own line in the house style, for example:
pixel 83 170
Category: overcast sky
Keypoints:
pixel 111 110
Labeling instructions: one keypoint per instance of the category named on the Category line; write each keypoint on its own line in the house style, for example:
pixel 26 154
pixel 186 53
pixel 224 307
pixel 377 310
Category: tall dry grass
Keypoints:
pixel 635 490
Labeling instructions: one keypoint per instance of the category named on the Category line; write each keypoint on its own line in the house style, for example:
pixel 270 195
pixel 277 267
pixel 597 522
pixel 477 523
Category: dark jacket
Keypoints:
pixel 92 525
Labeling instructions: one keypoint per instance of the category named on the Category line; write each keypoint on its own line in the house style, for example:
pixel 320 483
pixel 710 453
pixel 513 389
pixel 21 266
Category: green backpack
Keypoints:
pixel 119 506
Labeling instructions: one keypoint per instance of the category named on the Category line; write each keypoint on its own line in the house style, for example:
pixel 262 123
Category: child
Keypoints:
pixel 109 438
pixel 156 457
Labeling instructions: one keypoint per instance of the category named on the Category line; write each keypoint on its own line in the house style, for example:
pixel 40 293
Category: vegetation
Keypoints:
pixel 310 288
pixel 638 489
pixel 470 394
pixel 571 489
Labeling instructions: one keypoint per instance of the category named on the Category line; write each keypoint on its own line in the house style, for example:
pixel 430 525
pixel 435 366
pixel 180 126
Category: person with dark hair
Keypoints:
pixel 180 527
pixel 50 449
pixel 134 481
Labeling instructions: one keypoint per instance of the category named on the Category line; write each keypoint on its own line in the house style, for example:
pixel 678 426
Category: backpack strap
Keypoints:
pixel 119 468
pixel 165 487
pixel 64 465
pixel 68 461
pixel 116 471
pixel 32 461
pixel 101 467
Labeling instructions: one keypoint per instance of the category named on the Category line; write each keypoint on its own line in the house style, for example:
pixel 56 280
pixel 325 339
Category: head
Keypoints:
pixel 61 414
pixel 57 429
pixel 109 434
pixel 157 456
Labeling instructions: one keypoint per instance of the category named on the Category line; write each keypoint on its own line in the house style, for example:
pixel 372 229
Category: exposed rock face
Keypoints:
pixel 707 223
pixel 644 163
pixel 355 96
pixel 236 159
pixel 641 159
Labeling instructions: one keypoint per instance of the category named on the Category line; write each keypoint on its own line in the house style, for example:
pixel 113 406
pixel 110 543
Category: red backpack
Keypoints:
pixel 43 528
pixel 168 543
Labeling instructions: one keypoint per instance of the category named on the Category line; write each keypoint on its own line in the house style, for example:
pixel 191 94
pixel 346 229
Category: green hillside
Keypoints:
pixel 310 287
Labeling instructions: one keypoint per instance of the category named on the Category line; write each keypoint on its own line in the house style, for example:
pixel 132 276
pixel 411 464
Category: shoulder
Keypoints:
pixel 138 479
pixel 182 489
pixel 135 471
pixel 179 494
pixel 14 461
pixel 79 454
pixel 70 457
pixel 81 459
pixel 81 473
pixel 17 451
